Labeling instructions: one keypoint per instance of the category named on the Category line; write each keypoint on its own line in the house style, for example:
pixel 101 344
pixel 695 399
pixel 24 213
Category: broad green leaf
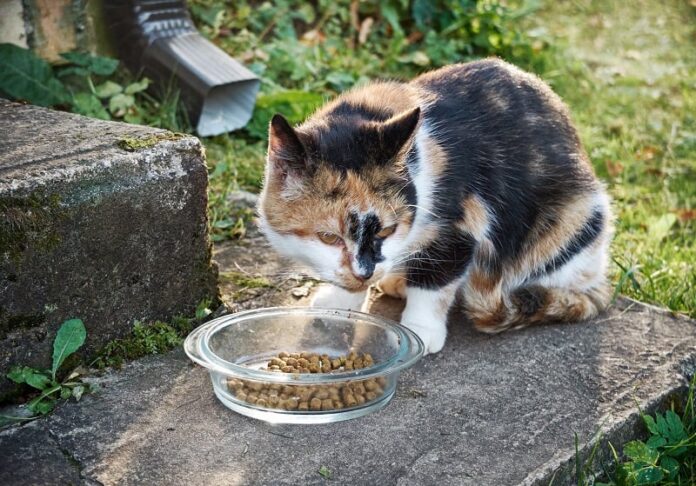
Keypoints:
pixel 38 380
pixel 119 104
pixel 103 66
pixel 650 424
pixel 24 76
pixel 675 428
pixel 64 71
pixel 70 337
pixel 65 393
pixel 138 86
pixel 640 452
pixel 30 376
pixel 89 105
pixel 649 475
pixel 656 441
pixel 661 424
pixel 108 89
pixel 670 465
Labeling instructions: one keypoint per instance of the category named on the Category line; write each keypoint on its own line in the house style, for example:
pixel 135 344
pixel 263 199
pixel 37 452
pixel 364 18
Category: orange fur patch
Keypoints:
pixel 476 220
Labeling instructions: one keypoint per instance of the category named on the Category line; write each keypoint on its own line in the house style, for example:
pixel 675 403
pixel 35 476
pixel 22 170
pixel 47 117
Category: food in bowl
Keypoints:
pixel 350 368
pixel 312 397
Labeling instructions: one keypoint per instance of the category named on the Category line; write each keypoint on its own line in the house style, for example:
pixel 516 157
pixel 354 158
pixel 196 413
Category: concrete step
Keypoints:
pixel 102 221
pixel 488 410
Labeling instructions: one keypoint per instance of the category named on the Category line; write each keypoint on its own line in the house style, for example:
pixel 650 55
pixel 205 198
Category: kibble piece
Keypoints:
pixel 382 381
pixel 321 394
pixel 333 393
pixel 348 365
pixel 291 362
pixel 302 363
pixel 327 404
pixel 261 402
pixel 335 364
pixel 274 367
pixel 315 404
pixel 349 400
pixel 325 365
pixel 338 404
pixel 370 395
pixel 277 362
pixel 314 359
pixel 314 368
pixel 305 355
pixel 306 394
pixel 358 364
pixel 360 399
pixel 292 403
pixel 304 406
pixel 287 369
pixel 359 389
pixel 290 390
pixel 370 385
pixel 241 394
pixel 283 355
pixel 255 385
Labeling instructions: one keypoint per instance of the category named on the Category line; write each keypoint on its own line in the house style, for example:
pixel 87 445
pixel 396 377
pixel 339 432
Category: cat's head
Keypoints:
pixel 337 195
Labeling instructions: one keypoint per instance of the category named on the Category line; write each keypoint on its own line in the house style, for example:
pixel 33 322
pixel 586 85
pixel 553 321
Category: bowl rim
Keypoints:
pixel 197 348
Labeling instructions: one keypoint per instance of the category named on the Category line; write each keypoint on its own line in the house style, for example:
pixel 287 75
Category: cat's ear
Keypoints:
pixel 398 130
pixel 285 150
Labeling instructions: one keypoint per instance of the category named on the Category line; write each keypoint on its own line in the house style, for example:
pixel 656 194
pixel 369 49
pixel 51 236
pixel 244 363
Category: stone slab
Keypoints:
pixel 498 410
pixel 89 229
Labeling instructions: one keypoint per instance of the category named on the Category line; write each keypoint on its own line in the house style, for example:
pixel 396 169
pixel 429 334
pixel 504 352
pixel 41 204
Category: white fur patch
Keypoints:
pixel 332 297
pixel 426 314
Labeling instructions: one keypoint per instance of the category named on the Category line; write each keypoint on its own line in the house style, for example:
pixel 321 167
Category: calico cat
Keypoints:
pixel 469 180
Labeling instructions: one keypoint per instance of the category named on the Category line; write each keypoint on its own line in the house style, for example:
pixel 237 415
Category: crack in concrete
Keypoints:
pixel 71 459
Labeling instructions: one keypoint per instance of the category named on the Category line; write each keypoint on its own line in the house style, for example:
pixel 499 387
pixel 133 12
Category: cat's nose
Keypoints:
pixel 363 275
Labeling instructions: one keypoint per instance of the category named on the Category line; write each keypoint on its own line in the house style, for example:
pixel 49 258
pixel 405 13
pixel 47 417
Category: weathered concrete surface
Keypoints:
pixel 499 410
pixel 90 230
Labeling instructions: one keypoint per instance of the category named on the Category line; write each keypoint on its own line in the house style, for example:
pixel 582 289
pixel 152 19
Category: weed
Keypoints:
pixel 70 337
pixel 666 458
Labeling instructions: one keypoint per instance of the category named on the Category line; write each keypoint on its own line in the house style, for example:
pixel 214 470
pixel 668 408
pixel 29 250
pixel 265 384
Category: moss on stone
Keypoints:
pixel 131 144
pixel 28 222
pixel 245 281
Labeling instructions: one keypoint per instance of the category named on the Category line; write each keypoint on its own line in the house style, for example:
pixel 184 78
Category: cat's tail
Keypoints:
pixel 534 304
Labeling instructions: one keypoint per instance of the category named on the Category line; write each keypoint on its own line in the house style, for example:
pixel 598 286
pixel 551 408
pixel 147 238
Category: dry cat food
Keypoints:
pixel 310 397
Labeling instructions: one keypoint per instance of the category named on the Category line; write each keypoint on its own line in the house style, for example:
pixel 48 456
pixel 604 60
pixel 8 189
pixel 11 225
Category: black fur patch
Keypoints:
pixel 589 233
pixel 442 262
pixel 363 232
pixel 529 300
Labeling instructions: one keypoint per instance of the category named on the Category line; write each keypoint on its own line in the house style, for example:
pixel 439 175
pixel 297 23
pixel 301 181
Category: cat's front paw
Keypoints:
pixel 433 334
pixel 332 297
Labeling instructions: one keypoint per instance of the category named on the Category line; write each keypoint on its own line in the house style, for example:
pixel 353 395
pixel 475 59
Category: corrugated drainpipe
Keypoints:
pixel 158 38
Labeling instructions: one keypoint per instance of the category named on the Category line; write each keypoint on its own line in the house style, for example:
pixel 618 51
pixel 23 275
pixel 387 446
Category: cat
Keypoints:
pixel 469 180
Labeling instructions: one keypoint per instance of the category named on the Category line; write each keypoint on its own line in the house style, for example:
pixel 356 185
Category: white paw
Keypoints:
pixel 332 297
pixel 433 335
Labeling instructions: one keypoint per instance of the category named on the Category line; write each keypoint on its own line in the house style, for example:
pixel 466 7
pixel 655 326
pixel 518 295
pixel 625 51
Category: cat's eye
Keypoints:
pixel 329 238
pixel 386 232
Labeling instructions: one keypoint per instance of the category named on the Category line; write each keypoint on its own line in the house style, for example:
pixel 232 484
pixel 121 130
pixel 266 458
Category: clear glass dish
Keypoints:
pixel 236 349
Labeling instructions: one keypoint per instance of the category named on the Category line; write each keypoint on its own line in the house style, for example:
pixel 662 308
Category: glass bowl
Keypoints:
pixel 237 349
